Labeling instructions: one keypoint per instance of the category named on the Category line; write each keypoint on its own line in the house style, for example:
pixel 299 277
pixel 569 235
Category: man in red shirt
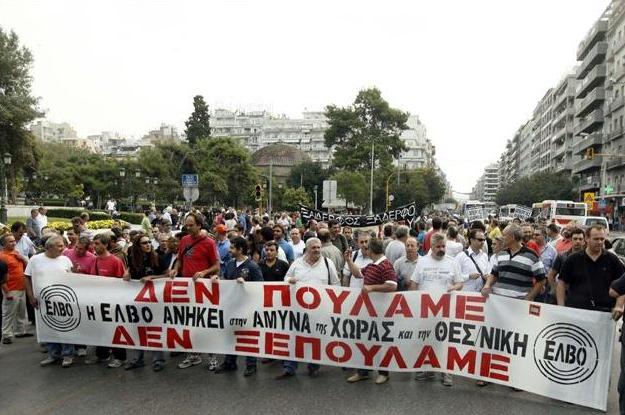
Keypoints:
pixel 379 276
pixel 197 258
pixel 437 224
pixel 106 265
pixel 14 302
pixel 528 234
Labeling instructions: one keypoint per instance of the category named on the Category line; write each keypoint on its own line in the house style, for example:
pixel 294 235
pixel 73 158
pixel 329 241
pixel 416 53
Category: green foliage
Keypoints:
pixel 226 172
pixel 293 197
pixel 71 213
pixel 536 188
pixel 352 186
pixel 134 218
pixel 198 124
pixel 17 106
pixel 307 174
pixel 352 130
pixel 422 186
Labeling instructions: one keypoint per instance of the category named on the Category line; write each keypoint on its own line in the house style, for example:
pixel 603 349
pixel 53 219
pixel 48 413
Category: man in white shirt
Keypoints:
pixel 436 272
pixel 296 243
pixel 42 219
pixel 24 245
pixel 312 269
pixel 452 246
pixel 50 261
pixel 405 266
pixel 396 248
pixel 473 262
pixel 354 263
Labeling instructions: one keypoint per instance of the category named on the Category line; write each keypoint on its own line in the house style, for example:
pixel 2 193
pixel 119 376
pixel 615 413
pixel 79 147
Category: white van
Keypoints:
pixel 586 221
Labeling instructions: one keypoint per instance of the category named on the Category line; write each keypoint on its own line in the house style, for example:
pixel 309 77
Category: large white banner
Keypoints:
pixel 558 352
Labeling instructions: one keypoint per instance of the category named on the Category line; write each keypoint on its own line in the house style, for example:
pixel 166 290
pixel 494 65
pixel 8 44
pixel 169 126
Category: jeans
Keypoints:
pixel 137 355
pixel 621 379
pixel 58 350
pixel 104 352
pixel 14 314
pixel 291 366
pixel 231 360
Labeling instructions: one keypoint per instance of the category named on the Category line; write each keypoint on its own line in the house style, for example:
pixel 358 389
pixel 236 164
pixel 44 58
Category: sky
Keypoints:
pixel 472 71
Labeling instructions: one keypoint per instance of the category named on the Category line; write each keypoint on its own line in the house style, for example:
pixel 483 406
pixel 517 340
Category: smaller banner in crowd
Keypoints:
pixel 476 213
pixel 522 212
pixel 406 213
pixel 559 352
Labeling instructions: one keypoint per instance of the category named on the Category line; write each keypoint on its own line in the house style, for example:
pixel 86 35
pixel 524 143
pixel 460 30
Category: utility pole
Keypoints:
pixel 270 201
pixel 371 182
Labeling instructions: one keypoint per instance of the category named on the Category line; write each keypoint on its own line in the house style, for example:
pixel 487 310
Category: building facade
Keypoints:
pixel 49 131
pixel 485 190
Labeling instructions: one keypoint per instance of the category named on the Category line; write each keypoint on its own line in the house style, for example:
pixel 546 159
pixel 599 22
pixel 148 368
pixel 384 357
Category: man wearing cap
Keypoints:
pixel 223 245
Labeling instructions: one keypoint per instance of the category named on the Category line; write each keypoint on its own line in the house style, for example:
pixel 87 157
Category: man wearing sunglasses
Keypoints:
pixel 473 262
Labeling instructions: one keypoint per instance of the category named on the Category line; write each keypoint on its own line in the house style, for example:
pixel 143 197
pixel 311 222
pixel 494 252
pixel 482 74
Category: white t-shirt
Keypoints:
pixel 453 248
pixel 436 275
pixel 298 249
pixel 42 264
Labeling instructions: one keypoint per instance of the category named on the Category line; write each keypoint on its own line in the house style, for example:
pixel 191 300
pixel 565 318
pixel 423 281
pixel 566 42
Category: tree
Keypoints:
pixel 422 186
pixel 17 106
pixel 537 187
pixel 225 169
pixel 292 198
pixel 352 186
pixel 307 174
pixel 198 124
pixel 370 120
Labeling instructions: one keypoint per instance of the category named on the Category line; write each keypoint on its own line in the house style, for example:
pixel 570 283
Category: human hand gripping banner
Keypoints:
pixel 558 352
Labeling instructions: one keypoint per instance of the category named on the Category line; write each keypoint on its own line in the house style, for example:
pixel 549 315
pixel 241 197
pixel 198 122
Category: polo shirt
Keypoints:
pixel 81 264
pixel 404 268
pixel 276 272
pixel 15 281
pixel 563 245
pixel 589 281
pixel 516 273
pixel 319 273
pixel 379 272
pixel 232 271
pixel 201 255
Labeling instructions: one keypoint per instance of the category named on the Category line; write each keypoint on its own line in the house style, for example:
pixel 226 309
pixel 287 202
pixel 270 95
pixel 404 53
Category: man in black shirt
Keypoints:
pixel 273 269
pixel 577 245
pixel 585 277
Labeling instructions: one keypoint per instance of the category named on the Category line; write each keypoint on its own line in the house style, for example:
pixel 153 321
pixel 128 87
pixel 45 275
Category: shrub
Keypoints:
pixel 93 225
pixel 70 213
pixel 134 218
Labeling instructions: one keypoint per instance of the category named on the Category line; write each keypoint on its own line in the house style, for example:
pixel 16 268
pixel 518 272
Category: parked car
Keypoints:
pixel 586 221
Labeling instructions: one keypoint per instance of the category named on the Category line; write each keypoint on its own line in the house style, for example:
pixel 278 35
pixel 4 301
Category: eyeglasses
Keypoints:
pixel 144 243
pixel 480 239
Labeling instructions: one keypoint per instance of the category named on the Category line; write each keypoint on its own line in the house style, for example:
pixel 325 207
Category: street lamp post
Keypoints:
pixel 122 175
pixel 5 193
pixel 315 189
pixel 134 193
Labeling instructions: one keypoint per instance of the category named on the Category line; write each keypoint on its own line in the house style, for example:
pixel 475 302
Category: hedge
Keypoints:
pixel 134 218
pixel 71 213
pixel 98 224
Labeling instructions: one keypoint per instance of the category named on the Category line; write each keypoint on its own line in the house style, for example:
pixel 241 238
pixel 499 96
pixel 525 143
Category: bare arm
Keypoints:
pixel 561 292
pixel 536 289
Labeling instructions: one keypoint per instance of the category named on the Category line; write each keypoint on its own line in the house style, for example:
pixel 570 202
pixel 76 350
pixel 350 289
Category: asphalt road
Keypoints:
pixel 27 388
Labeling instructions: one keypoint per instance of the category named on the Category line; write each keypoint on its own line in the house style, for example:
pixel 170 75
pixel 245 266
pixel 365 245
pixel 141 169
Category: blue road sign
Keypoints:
pixel 190 180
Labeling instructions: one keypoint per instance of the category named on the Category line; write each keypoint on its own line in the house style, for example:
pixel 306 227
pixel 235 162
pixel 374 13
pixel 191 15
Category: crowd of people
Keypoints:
pixel 524 259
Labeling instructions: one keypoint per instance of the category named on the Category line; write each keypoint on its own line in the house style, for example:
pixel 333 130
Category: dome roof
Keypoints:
pixel 281 154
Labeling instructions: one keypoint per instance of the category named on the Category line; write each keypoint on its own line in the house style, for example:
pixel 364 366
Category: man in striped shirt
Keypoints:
pixel 517 270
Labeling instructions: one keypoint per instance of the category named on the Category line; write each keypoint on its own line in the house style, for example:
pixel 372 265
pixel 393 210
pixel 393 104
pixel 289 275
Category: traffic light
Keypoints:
pixel 258 193
pixel 590 153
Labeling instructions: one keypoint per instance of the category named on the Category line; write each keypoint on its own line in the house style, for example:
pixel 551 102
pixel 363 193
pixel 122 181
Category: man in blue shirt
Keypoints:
pixel 278 236
pixel 242 269
pixel 223 246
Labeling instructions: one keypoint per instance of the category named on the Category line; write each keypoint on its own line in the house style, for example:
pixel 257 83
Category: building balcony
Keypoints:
pixel 594 78
pixel 595 56
pixel 563 166
pixel 615 162
pixel 615 133
pixel 593 184
pixel 592 101
pixel 595 34
pixel 616 103
pixel 561 115
pixel 589 141
pixel 585 165
pixel 558 151
pixel 561 133
pixel 589 123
